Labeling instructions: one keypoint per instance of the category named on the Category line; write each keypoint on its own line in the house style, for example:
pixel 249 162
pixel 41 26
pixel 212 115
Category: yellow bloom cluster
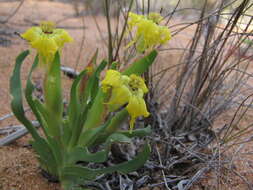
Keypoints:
pixel 46 39
pixel 126 90
pixel 148 32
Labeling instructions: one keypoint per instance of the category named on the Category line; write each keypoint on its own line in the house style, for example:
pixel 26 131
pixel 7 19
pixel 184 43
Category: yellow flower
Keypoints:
pixel 128 90
pixel 155 17
pixel 46 39
pixel 116 84
pixel 134 19
pixel 136 83
pixel 148 33
pixel 136 107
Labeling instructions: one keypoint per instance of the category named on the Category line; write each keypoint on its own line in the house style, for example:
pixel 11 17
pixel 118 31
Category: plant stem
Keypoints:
pixel 110 48
pixel 123 30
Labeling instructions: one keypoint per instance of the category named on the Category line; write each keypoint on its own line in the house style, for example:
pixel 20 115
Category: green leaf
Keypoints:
pixel 89 136
pixel 31 100
pixel 53 94
pixel 67 132
pixel 117 137
pixel 46 156
pixel 131 165
pixel 75 110
pixel 96 95
pixel 46 118
pixel 57 150
pixel 96 112
pixel 142 65
pixel 137 132
pixel 81 154
pixel 74 104
pixel 93 83
pixel 117 120
pixel 73 172
pixel 115 65
pixel 16 92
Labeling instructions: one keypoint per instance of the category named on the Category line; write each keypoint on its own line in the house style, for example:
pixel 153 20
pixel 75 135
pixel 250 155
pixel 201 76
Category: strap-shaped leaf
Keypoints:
pixel 31 100
pixel 57 150
pixel 53 95
pixel 85 83
pixel 96 95
pixel 16 92
pixel 117 137
pixel 46 118
pixel 46 156
pixel 137 132
pixel 73 172
pixel 96 112
pixel 113 127
pixel 74 104
pixel 82 154
pixel 131 165
pixel 89 136
pixel 75 110
pixel 93 83
pixel 67 132
pixel 142 65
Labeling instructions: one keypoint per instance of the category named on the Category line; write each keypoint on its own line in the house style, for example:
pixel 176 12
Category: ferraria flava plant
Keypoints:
pixel 70 134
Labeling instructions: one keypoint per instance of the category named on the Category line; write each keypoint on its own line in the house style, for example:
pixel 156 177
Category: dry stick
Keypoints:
pixel 242 177
pixel 18 134
pixel 69 72
pixel 195 22
pixel 13 14
pixel 11 114
pixel 123 31
pixel 8 130
pixel 164 177
pixel 109 30
pixel 198 175
pixel 81 46
pixel 172 13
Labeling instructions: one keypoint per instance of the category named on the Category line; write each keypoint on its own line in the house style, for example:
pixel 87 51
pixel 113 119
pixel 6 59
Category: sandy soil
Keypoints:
pixel 18 165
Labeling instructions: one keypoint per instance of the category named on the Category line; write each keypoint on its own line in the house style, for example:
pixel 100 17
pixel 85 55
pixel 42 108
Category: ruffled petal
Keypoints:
pixel 45 46
pixel 32 34
pixel 61 37
pixel 138 83
pixel 112 79
pixel 136 107
pixel 119 97
pixel 148 33
pixel 47 40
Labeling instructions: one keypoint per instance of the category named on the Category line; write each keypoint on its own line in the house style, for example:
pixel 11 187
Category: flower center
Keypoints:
pixel 134 84
pixel 47 27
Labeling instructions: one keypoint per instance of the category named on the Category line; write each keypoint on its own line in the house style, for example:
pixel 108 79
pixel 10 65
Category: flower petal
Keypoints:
pixel 112 78
pixel 45 46
pixel 119 97
pixel 136 107
pixel 32 34
pixel 46 40
pixel 138 83
pixel 60 36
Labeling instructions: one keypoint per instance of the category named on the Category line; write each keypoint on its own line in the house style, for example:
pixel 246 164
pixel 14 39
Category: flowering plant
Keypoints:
pixel 69 134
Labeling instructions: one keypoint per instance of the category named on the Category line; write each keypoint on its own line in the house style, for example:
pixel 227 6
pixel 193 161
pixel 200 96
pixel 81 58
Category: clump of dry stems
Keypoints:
pixel 187 97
